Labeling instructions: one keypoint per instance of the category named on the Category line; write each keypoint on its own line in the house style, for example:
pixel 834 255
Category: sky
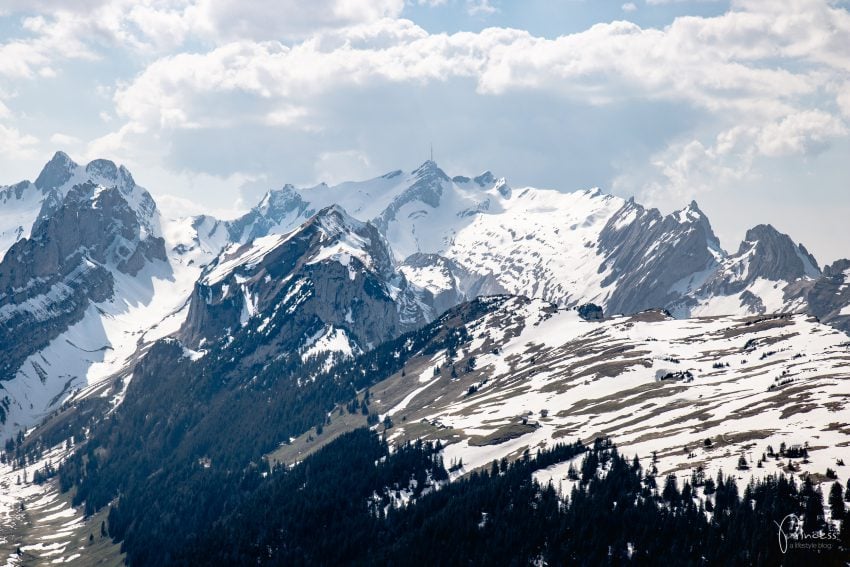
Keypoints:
pixel 742 105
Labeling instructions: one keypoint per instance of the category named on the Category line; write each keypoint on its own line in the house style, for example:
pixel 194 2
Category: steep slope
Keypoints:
pixel 656 259
pixel 569 248
pixel 328 286
pixel 83 287
pixel 461 237
pixel 699 393
pixel 764 276
pixel 51 277
pixel 22 204
pixel 828 297
pixel 19 206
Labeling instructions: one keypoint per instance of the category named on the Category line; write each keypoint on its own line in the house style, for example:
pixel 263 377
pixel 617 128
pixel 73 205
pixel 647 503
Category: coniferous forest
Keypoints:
pixel 185 486
pixel 180 467
pixel 339 507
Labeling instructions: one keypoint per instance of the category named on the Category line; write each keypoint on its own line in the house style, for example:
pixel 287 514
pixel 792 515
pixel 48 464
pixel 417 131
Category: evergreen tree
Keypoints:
pixel 813 512
pixel 671 490
pixel 836 501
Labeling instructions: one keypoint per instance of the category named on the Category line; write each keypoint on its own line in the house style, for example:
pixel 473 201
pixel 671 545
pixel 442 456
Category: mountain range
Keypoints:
pixel 461 309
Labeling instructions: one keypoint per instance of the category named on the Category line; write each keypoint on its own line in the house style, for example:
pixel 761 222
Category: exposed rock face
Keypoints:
pixel 92 224
pixel 333 277
pixel 768 273
pixel 428 188
pixel 461 237
pixel 50 279
pixel 828 297
pixel 445 282
pixel 56 173
pixel 278 212
pixel 767 254
pixel 653 258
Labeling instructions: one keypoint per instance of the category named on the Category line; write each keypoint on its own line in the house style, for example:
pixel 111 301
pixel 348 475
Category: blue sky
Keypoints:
pixel 742 105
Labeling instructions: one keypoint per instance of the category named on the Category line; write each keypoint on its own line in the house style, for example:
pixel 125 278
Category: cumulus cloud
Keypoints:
pixel 843 100
pixel 64 140
pixel 707 62
pixel 158 25
pixel 276 19
pixel 763 80
pixel 800 133
pixel 15 144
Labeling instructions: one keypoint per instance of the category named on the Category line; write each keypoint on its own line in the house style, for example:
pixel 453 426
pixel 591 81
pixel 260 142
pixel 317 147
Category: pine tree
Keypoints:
pixel 813 513
pixel 836 501
pixel 671 490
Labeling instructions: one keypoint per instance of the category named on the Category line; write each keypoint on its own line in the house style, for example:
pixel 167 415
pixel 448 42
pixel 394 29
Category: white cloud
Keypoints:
pixel 629 7
pixel 480 7
pixel 173 206
pixel 800 133
pixel 706 62
pixel 118 144
pixel 15 144
pixel 765 79
pixel 54 31
pixel 64 141
pixel 662 2
pixel 278 19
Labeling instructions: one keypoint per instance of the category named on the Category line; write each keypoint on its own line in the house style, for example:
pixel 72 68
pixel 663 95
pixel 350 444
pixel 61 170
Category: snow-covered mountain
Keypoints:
pixel 94 306
pixel 330 287
pixel 460 237
pixel 450 308
pixel 88 276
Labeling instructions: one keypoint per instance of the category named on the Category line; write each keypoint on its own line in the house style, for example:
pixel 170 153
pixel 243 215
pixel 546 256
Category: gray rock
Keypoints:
pixel 650 254
pixel 298 289
pixel 56 172
pixel 49 280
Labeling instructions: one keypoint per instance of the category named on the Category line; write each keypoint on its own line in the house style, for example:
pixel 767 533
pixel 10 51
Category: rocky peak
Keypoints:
pixel 56 172
pixel 837 269
pixel 100 222
pixel 774 256
pixel 652 256
pixel 342 237
pixel 428 186
pixel 691 213
pixel 278 211
pixel 71 260
pixel 430 171
pixel 103 168
pixel 333 274
pixel 692 216
pixel 486 178
pixel 335 221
